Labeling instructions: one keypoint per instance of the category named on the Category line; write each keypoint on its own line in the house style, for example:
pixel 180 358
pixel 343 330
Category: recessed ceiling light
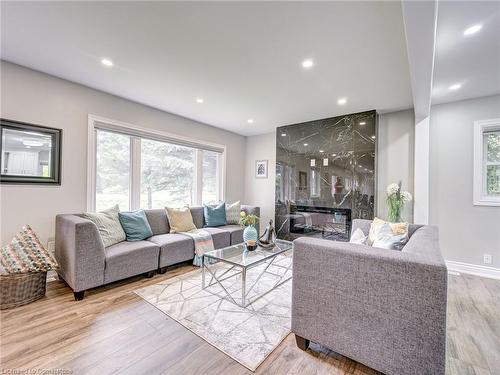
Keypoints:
pixel 334 154
pixel 473 29
pixel 321 151
pixel 283 134
pixel 456 86
pixel 341 101
pixel 250 120
pixel 307 64
pixel 107 62
pixel 306 144
pixel 199 100
pixel 373 137
pixel 362 123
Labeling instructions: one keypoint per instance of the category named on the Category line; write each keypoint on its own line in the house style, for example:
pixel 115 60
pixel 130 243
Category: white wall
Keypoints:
pixel 395 157
pixel 260 191
pixel 34 97
pixel 466 231
pixel 395 163
pixel 422 172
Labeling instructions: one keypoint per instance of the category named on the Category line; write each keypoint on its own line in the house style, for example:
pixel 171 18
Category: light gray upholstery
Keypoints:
pixel 236 233
pixel 127 259
pixel 158 221
pixel 220 237
pixel 383 308
pixel 79 252
pixel 174 248
pixel 85 263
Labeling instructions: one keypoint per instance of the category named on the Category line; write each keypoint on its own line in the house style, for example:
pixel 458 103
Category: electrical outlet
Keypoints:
pixel 487 259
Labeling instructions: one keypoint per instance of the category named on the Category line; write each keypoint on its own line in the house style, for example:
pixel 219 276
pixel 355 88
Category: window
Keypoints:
pixel 138 168
pixel 487 162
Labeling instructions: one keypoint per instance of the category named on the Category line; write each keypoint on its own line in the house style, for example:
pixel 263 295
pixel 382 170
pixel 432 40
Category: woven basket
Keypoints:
pixel 21 288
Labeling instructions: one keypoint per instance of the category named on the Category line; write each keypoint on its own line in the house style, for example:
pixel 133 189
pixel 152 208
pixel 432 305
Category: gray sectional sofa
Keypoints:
pixel 383 308
pixel 85 263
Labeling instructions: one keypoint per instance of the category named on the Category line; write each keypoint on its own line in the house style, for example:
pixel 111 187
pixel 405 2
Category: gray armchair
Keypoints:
pixel 383 308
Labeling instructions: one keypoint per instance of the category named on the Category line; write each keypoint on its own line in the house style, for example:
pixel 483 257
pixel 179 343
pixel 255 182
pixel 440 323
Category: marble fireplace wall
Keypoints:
pixel 328 163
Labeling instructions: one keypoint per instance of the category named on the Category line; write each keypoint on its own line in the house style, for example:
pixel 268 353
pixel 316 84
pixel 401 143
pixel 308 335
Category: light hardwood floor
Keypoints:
pixel 114 331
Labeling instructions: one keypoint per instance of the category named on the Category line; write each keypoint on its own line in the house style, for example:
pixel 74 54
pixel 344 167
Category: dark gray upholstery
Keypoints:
pixel 85 263
pixel 220 237
pixel 174 248
pixel 158 221
pixel 383 308
pixel 235 231
pixel 198 216
pixel 127 259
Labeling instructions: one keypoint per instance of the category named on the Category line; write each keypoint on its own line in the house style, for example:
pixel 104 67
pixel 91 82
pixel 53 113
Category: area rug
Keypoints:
pixel 248 335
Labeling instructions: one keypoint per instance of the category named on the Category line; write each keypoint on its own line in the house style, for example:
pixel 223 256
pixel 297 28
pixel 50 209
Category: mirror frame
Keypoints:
pixel 55 177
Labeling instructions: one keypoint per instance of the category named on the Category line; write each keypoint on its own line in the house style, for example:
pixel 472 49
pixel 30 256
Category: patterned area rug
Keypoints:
pixel 248 335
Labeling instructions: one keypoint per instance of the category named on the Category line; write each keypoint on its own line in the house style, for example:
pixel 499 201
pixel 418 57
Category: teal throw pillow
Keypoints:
pixel 215 216
pixel 136 225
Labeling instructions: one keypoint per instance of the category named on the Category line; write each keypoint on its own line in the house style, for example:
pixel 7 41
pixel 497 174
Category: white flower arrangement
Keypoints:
pixel 396 199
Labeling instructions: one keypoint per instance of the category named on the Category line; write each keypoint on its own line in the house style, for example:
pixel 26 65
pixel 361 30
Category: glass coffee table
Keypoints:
pixel 240 260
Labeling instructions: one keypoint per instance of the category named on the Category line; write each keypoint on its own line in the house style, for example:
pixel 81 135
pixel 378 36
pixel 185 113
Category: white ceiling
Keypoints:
pixel 242 58
pixel 473 61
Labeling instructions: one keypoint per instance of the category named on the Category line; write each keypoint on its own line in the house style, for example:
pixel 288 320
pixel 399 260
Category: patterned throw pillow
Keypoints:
pixel 397 229
pixel 233 213
pixel 25 253
pixel 108 224
pixel 180 219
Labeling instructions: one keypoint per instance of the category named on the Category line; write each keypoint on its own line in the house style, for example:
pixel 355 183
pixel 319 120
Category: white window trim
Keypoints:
pixel 99 122
pixel 480 127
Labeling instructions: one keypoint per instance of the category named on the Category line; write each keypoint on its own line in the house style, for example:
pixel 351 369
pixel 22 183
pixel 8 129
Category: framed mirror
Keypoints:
pixel 29 154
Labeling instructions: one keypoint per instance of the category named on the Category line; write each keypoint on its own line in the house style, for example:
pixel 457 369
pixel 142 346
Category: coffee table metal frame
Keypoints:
pixel 242 269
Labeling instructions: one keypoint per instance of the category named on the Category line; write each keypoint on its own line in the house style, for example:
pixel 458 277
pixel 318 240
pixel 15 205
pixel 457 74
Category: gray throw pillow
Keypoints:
pixel 108 224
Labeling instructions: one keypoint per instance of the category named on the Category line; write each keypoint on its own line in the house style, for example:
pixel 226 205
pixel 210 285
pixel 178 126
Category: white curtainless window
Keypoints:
pixel 487 162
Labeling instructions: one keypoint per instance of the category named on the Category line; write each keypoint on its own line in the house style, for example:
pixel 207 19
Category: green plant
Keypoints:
pixel 248 219
pixel 396 200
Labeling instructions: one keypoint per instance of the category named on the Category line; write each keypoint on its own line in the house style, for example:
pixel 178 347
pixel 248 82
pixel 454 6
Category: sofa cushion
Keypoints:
pixel 180 219
pixel 108 224
pixel 158 221
pixel 220 237
pixel 198 218
pixel 215 216
pixel 235 231
pixel 233 213
pixel 135 224
pixel 174 248
pixel 127 259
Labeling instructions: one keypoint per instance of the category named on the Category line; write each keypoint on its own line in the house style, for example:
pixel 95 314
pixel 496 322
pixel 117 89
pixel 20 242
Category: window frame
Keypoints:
pixel 480 163
pixel 136 133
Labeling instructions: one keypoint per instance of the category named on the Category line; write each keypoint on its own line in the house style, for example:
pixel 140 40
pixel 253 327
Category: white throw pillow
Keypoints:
pixel 108 224
pixel 233 213
pixel 386 239
pixel 358 237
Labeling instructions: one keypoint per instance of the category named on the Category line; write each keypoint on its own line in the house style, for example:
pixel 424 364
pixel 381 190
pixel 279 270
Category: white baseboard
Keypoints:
pixel 473 269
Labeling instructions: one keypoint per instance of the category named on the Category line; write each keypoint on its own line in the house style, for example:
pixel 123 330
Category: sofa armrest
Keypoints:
pixel 354 298
pixel 80 252
pixel 252 210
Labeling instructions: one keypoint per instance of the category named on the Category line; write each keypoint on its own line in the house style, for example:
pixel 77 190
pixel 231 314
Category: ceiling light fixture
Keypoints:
pixel 107 62
pixel 307 64
pixel 250 120
pixel 199 100
pixel 373 137
pixel 456 86
pixel 341 101
pixel 321 151
pixel 362 123
pixel 306 144
pixel 283 134
pixel 473 29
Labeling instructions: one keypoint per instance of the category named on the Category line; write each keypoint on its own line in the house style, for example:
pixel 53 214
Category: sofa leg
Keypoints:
pixel 79 295
pixel 150 274
pixel 302 343
pixel 162 270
